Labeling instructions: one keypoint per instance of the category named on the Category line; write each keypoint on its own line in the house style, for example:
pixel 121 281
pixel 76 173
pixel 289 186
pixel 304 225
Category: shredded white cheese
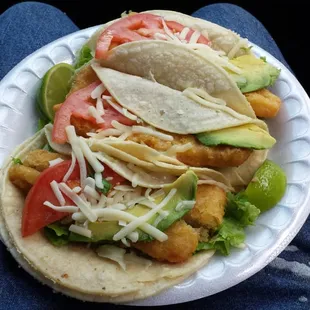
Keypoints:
pixel 125 242
pixel 159 218
pixel 195 37
pixel 90 182
pixel 109 178
pixel 98 180
pixel 241 43
pixel 158 193
pixel 73 140
pixel 118 206
pixel 133 236
pixel 91 192
pixel 55 162
pixel 69 209
pixel 105 133
pixel 201 95
pixel 122 223
pixel 184 33
pixel 120 110
pixel 80 230
pixel 99 106
pixel 174 149
pixel 57 192
pixel 98 91
pixel 77 189
pixel 123 188
pixel 169 32
pixel 109 214
pixel 184 205
pixel 160 36
pixel 91 158
pixel 147 194
pixel 151 132
pixel 84 207
pixel 70 170
pixel 92 111
pixel 143 219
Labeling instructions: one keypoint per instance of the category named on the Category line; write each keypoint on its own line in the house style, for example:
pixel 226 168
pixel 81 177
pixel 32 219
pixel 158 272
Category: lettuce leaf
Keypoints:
pixel 239 208
pixel 239 213
pixel 16 161
pixel 57 234
pixel 230 233
pixel 84 56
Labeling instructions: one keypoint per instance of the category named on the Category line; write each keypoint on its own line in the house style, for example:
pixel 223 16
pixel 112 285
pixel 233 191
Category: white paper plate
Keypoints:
pixel 274 229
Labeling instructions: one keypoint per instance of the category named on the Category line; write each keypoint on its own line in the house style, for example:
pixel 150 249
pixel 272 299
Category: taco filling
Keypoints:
pixel 152 161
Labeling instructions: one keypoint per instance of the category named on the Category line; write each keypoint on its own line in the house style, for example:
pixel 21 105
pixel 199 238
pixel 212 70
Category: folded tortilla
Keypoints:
pixel 169 109
pixel 75 269
pixel 178 67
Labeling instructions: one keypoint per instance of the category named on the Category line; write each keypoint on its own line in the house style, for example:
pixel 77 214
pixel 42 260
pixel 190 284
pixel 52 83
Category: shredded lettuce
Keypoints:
pixel 84 57
pixel 239 208
pixel 239 213
pixel 16 161
pixel 57 234
pixel 229 234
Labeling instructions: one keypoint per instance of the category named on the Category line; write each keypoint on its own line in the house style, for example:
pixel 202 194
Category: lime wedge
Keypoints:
pixel 55 86
pixel 267 186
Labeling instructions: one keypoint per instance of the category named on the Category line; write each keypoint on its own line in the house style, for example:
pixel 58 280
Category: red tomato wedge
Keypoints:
pixel 126 30
pixel 116 178
pixel 77 104
pixel 35 214
pixel 137 27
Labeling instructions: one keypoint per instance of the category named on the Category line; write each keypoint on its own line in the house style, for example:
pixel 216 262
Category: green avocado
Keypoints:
pixel 247 136
pixel 186 186
pixel 256 73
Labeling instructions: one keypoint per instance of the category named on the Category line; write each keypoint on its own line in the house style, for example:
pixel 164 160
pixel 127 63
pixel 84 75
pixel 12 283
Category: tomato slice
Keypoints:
pixel 136 27
pixel 77 104
pixel 35 214
pixel 126 30
pixel 116 178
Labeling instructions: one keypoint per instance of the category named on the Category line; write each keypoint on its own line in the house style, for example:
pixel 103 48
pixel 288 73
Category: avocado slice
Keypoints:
pixel 247 136
pixel 186 186
pixel 256 73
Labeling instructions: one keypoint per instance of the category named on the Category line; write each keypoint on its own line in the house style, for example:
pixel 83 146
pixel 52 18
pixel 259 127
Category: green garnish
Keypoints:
pixel 57 234
pixel 84 57
pixel 106 186
pixel 16 161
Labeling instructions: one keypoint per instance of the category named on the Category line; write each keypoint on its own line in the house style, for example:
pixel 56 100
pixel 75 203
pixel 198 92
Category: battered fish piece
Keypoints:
pixel 209 208
pixel 83 126
pixel 199 155
pixel 23 177
pixel 211 156
pixel 264 103
pixel 85 76
pixel 181 244
pixel 39 159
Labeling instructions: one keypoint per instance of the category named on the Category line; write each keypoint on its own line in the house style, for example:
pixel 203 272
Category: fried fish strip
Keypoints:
pixel 209 209
pixel 199 155
pixel 181 244
pixel 39 159
pixel 264 103
pixel 23 177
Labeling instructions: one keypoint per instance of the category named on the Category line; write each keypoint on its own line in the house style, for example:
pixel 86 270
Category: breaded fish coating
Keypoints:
pixel 85 76
pixel 264 103
pixel 199 155
pixel 211 156
pixel 209 208
pixel 151 141
pixel 23 177
pixel 39 159
pixel 181 244
pixel 82 126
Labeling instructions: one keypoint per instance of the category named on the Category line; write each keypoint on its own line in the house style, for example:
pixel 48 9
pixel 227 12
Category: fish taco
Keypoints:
pixel 131 167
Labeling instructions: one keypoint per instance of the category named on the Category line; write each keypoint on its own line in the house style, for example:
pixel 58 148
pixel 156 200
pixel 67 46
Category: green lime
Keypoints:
pixel 267 186
pixel 55 86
